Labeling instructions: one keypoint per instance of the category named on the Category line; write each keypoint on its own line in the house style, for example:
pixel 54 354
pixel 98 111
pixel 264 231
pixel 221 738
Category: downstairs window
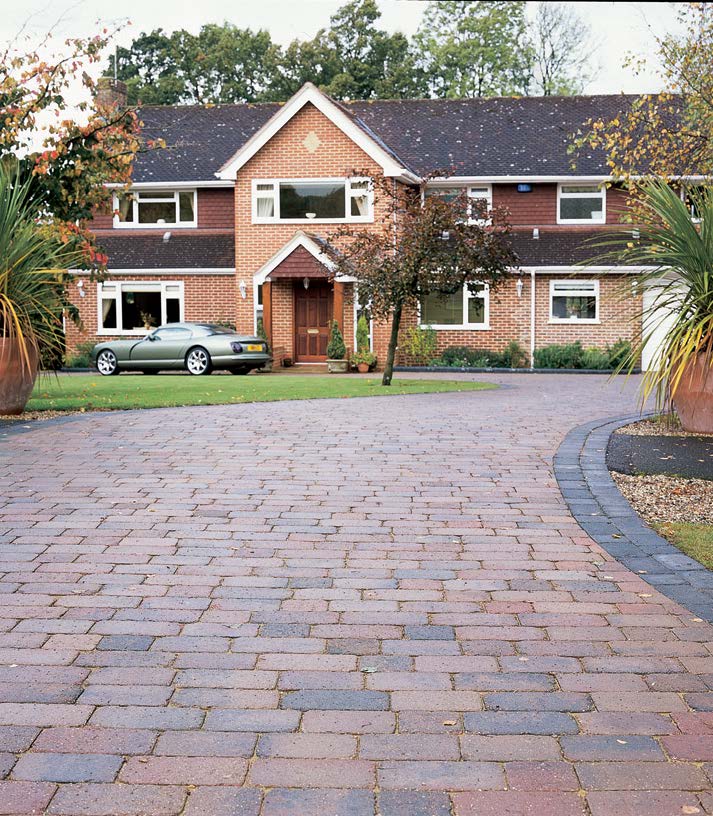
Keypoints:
pixel 465 309
pixel 573 301
pixel 137 308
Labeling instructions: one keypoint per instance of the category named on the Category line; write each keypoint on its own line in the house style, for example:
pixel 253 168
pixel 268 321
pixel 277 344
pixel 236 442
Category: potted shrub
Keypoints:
pixel 676 249
pixel 262 334
pixel 364 361
pixel 336 351
pixel 32 291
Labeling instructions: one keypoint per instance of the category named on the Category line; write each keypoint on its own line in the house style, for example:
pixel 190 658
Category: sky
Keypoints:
pixel 618 29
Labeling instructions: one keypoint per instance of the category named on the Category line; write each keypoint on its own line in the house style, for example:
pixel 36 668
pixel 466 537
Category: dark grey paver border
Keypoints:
pixel 602 512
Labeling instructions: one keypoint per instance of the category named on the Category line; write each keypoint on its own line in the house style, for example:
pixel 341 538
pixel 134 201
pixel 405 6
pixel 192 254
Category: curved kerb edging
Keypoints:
pixel 606 516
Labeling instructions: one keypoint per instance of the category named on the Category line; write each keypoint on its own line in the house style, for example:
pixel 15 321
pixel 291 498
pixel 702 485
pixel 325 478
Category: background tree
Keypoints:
pixel 435 249
pixel 670 133
pixel 560 51
pixel 222 63
pixel 474 49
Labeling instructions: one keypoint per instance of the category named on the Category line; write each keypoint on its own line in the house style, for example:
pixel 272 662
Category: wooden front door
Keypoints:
pixel 313 312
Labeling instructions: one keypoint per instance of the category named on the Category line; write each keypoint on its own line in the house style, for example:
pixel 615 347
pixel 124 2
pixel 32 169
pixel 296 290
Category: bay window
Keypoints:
pixel 464 309
pixel 581 204
pixel 325 200
pixel 155 208
pixel 136 308
pixel 574 301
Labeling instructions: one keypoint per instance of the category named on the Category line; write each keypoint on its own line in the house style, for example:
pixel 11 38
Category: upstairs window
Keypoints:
pixel 155 208
pixel 466 309
pixel 304 200
pixel 581 204
pixel 480 199
pixel 574 301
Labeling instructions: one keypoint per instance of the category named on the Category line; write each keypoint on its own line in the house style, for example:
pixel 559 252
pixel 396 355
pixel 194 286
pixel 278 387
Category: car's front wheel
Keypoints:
pixel 198 361
pixel 107 363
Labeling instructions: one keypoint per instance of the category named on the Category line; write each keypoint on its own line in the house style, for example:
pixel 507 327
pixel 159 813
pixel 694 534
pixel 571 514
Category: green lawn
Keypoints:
pixel 93 392
pixel 696 540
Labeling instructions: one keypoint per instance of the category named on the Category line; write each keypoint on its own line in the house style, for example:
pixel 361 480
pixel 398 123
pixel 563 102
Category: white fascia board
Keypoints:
pixel 154 271
pixel 450 180
pixel 587 270
pixel 309 93
pixel 300 239
pixel 171 185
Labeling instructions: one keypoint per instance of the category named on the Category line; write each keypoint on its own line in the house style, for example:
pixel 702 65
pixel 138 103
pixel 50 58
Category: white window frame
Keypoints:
pixel 484 294
pixel 472 196
pixel 349 193
pixel 357 307
pixel 685 191
pixel 600 195
pixel 574 293
pixel 148 197
pixel 138 286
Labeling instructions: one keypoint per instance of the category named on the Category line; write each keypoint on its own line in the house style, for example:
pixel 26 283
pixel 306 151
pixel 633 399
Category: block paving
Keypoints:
pixel 336 608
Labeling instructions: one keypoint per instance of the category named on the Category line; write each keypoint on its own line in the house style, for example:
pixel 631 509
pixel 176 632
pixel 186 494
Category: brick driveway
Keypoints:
pixel 335 608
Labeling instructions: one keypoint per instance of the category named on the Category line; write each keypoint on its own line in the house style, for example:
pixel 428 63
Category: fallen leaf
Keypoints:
pixel 449 722
pixel 621 742
pixel 369 669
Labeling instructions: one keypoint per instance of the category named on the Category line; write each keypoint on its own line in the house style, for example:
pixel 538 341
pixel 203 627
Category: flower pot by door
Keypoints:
pixel 363 368
pixel 693 399
pixel 16 380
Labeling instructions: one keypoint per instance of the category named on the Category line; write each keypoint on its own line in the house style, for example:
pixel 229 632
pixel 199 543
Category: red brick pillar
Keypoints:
pixel 267 310
pixel 338 305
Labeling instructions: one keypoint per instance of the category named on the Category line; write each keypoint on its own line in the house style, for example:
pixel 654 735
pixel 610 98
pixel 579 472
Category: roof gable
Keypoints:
pixel 336 114
pixel 318 249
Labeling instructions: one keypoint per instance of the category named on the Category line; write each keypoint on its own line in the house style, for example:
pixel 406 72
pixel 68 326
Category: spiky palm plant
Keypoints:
pixel 33 264
pixel 675 250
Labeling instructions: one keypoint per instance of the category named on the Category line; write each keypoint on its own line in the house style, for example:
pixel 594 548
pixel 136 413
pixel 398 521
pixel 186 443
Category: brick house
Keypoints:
pixel 229 222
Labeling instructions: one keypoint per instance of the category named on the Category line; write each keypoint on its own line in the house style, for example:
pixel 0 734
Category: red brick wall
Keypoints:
pixel 282 316
pixel 206 298
pixel 285 156
pixel 618 313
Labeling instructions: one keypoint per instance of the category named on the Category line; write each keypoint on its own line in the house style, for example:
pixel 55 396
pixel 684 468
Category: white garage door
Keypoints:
pixel 658 321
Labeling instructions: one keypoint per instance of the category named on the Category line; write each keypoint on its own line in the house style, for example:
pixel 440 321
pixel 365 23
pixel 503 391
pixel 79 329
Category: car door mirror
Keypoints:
pixel 152 337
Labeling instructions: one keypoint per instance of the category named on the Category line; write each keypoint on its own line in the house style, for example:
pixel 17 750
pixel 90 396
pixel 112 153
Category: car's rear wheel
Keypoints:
pixel 198 361
pixel 107 363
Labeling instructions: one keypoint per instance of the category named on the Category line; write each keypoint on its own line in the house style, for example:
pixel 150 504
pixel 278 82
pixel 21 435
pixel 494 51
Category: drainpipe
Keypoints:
pixel 532 319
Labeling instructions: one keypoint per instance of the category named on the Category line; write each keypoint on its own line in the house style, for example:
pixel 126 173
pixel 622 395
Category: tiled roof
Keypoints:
pixel 182 251
pixel 556 248
pixel 475 137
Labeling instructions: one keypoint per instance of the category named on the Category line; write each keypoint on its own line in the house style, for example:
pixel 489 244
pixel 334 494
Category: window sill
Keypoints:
pixel 451 327
pixel 582 222
pixel 573 322
pixel 306 221
pixel 124 333
pixel 121 226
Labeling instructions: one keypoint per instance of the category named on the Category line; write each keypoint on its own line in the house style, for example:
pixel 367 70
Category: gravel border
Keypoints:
pixel 607 517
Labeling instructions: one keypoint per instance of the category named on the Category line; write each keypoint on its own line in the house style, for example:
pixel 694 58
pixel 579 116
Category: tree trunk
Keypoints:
pixel 393 341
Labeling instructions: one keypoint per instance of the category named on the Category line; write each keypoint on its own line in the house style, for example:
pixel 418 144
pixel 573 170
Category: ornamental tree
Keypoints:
pixel 68 158
pixel 668 134
pixel 417 248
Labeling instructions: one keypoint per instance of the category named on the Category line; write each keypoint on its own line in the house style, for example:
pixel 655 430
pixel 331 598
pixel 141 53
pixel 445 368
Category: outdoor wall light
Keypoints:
pixel 80 286
pixel 518 286
pixel 536 234
pixel 305 283
pixel 243 287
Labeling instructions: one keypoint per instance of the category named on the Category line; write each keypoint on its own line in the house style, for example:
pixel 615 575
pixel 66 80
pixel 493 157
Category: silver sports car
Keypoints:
pixel 197 347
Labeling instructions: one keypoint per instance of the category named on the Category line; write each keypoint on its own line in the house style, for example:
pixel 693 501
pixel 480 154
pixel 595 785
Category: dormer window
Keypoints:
pixel 140 209
pixel 581 204
pixel 305 200
pixel 480 199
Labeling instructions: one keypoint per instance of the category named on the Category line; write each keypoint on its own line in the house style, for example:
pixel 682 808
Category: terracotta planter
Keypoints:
pixel 693 399
pixel 16 381
pixel 363 368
